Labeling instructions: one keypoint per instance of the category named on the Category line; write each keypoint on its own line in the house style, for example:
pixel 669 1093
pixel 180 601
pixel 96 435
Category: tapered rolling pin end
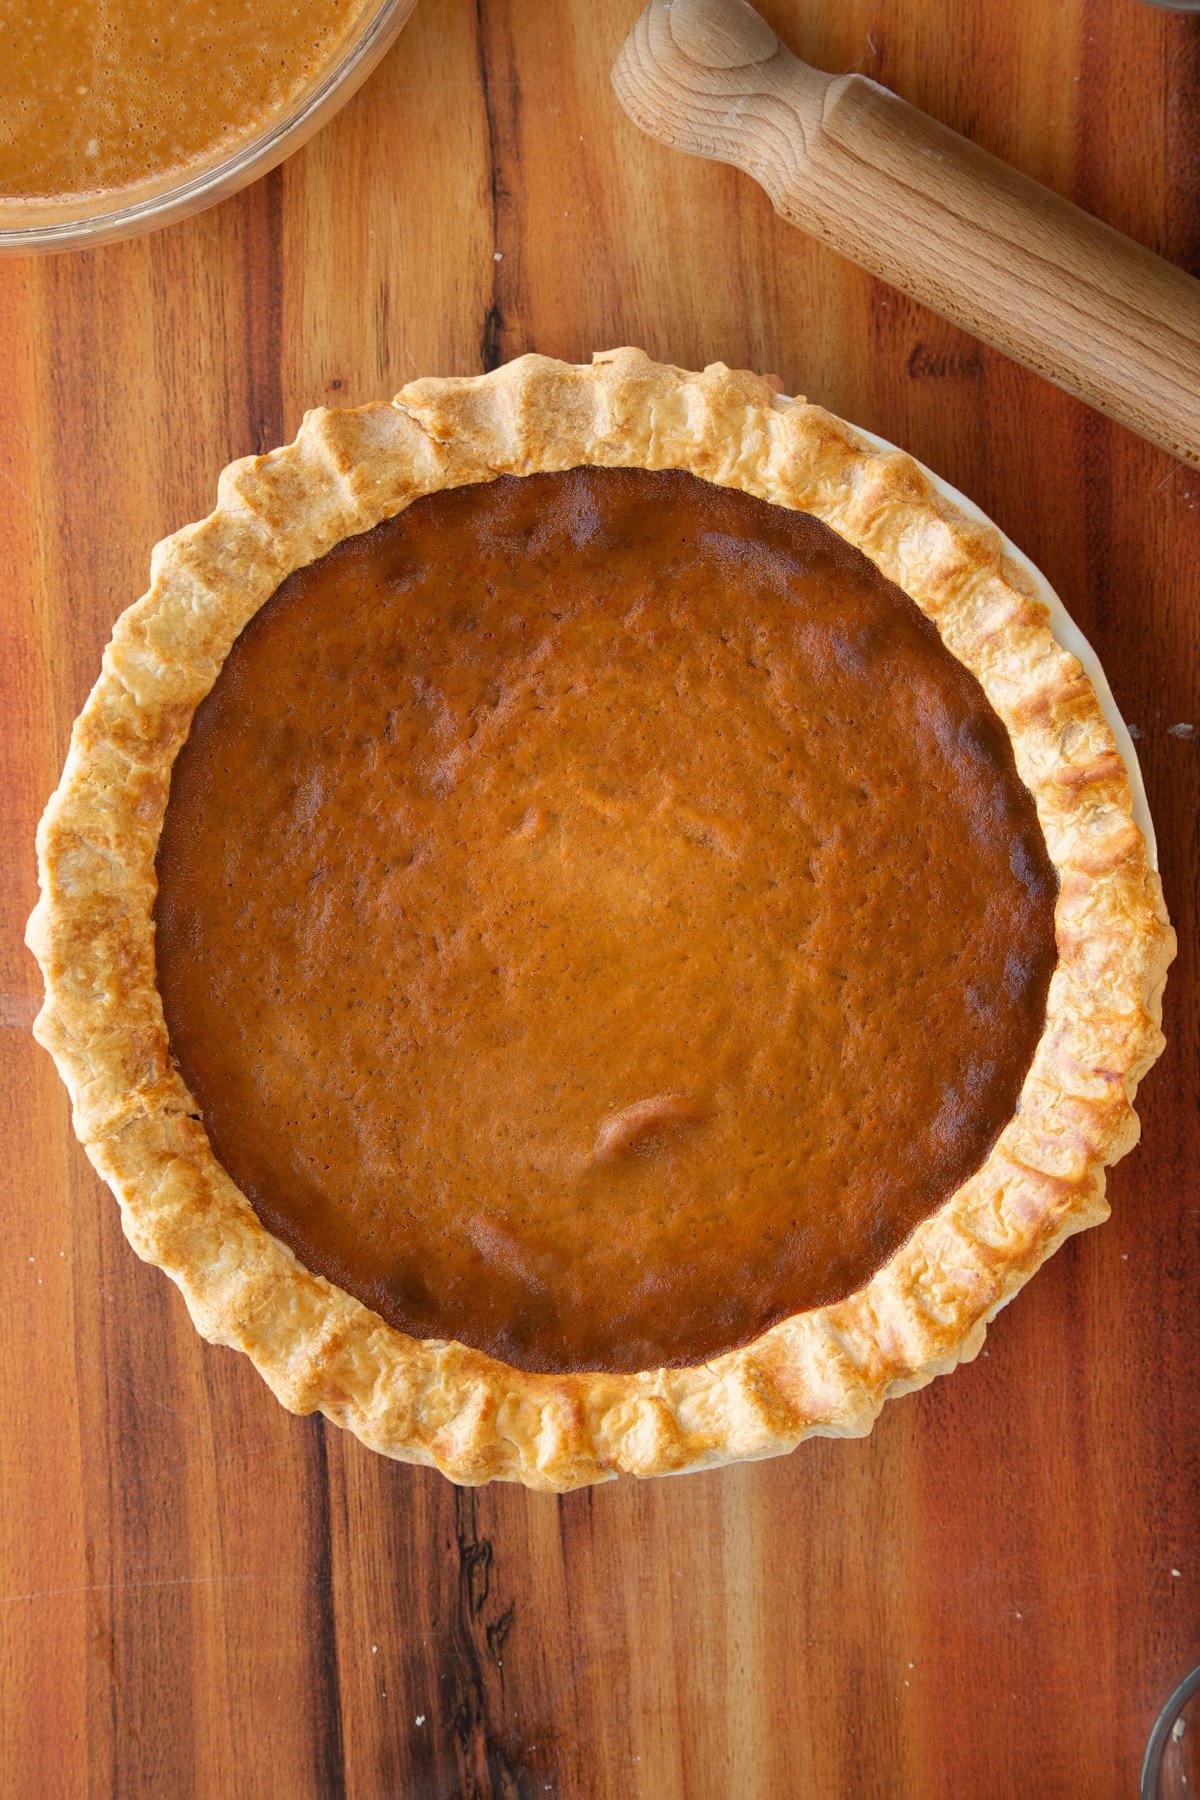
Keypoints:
pixel 690 69
pixel 926 210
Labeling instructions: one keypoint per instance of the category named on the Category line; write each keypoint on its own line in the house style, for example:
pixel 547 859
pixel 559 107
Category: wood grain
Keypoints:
pixel 203 1596
pixel 922 207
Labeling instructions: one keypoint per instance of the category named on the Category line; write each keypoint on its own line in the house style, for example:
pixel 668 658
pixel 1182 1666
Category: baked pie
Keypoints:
pixel 591 926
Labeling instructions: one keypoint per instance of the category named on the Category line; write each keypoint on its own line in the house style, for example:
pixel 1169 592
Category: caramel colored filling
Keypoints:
pixel 598 918
pixel 103 94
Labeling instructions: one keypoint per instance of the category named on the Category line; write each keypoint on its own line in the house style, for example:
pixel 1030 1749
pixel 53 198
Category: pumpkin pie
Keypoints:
pixel 591 926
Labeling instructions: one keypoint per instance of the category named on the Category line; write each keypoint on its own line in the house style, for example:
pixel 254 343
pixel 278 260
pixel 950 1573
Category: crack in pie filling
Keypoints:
pixel 590 925
pixel 598 918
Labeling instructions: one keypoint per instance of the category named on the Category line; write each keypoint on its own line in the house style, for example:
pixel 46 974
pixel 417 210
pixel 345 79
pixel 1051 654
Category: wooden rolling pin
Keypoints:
pixel 929 212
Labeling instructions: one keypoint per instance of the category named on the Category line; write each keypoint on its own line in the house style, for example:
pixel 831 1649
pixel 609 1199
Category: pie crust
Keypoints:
pixel 824 1372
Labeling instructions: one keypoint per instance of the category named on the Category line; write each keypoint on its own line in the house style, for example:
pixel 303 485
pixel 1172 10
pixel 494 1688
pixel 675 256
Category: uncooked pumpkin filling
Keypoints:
pixel 97 96
pixel 598 918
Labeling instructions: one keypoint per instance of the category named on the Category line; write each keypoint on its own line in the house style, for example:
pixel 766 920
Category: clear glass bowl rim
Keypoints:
pixel 1150 1787
pixel 330 90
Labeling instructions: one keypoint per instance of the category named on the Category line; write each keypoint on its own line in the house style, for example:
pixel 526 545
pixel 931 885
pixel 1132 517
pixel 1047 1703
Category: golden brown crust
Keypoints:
pixel 827 1371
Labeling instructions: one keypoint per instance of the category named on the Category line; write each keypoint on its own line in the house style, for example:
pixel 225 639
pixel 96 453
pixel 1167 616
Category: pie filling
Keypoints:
pixel 99 95
pixel 598 918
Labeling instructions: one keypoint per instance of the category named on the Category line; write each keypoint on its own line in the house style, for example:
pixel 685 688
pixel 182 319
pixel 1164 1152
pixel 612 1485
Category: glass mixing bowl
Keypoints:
pixel 78 221
pixel 1171 1770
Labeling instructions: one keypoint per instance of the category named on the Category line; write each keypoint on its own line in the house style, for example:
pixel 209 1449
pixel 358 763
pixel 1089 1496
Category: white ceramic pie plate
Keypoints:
pixel 1067 633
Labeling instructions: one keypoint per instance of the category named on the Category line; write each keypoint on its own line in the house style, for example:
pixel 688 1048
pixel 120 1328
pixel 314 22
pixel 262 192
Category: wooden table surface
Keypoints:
pixel 204 1596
